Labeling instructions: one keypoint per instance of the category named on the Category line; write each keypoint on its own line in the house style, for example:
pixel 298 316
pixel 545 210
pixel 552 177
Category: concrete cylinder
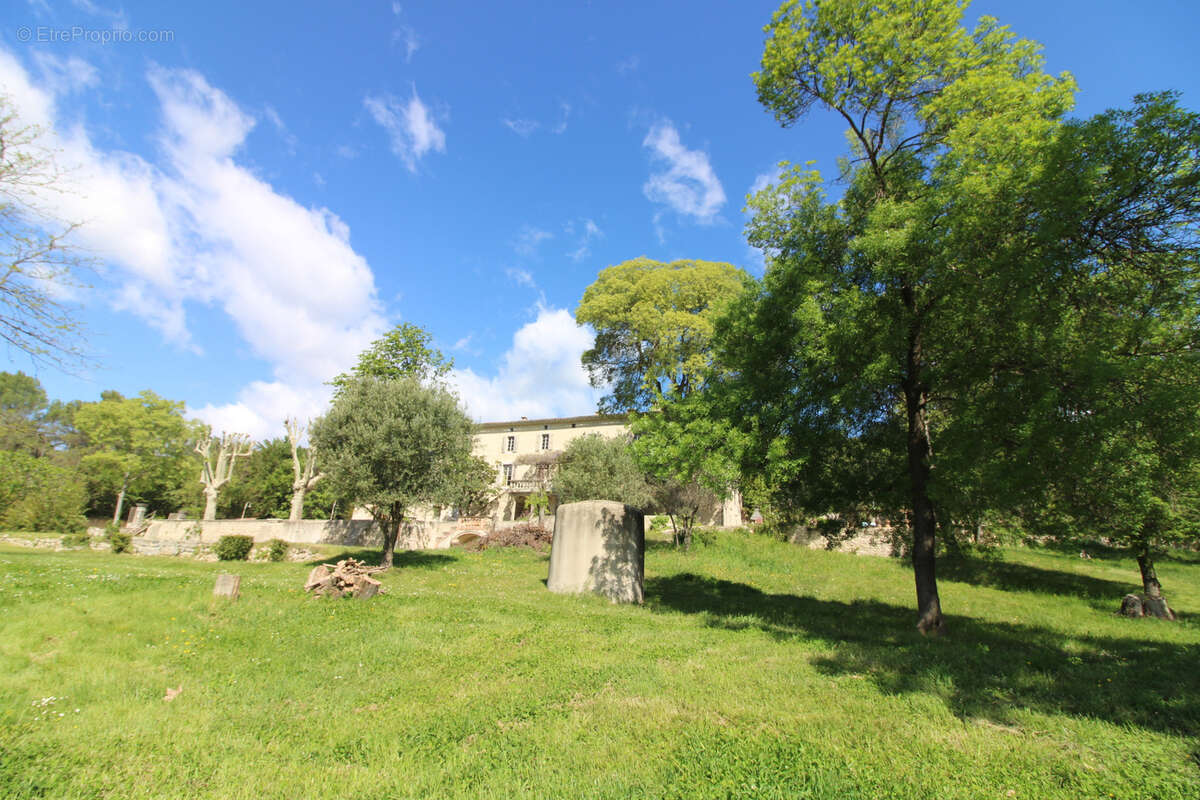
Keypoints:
pixel 599 546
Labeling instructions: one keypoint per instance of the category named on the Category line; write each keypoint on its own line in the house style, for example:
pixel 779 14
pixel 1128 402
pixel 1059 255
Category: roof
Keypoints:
pixel 590 419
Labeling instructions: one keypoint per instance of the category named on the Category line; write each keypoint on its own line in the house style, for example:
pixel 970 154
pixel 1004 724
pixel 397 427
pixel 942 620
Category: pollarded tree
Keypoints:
pixel 392 445
pixel 653 324
pixel 216 468
pixel 304 475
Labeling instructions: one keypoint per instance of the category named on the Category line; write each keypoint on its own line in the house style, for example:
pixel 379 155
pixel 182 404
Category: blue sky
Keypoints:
pixel 267 190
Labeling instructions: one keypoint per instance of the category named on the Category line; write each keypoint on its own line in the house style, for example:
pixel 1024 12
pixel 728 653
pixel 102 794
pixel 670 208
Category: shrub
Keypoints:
pixel 234 548
pixel 120 540
pixel 38 495
pixel 277 549
pixel 77 540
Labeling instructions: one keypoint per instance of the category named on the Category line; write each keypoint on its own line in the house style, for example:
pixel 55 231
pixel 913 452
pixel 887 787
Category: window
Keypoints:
pixel 510 444
pixel 545 441
pixel 508 473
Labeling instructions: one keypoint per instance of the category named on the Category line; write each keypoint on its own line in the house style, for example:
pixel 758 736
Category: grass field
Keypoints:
pixel 755 669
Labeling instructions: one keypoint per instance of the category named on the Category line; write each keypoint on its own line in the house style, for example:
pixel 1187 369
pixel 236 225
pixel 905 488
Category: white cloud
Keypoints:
pixel 521 127
pixel 65 75
pixel 564 109
pixel 540 375
pixel 261 407
pixel 689 186
pixel 628 65
pixel 199 228
pixel 529 239
pixel 406 36
pixel 521 277
pixel 410 127
pixel 586 230
pixel 346 151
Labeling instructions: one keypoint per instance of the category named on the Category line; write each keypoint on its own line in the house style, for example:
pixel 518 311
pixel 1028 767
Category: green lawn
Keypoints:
pixel 755 669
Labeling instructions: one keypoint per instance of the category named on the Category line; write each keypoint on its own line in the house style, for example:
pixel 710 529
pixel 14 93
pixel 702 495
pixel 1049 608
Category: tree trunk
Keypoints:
pixel 210 504
pixel 120 502
pixel 924 520
pixel 391 532
pixel 297 512
pixel 1154 603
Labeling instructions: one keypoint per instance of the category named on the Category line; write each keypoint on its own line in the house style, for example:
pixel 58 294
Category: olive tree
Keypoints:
pixel 392 445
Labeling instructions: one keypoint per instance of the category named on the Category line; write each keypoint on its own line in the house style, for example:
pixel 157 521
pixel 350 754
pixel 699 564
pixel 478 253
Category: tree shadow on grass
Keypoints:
pixel 981 670
pixel 1012 576
pixel 401 559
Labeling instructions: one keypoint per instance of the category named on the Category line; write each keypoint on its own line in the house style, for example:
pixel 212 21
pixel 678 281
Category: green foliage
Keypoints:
pixel 277 549
pixel 477 488
pixel 597 468
pixel 403 352
pixel 537 503
pixel 653 324
pixel 234 547
pixel 139 447
pixel 264 482
pixel 391 445
pixel 38 495
pixel 82 539
pixel 119 540
pixel 21 394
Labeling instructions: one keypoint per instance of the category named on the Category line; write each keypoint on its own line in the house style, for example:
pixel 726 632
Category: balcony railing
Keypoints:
pixel 527 485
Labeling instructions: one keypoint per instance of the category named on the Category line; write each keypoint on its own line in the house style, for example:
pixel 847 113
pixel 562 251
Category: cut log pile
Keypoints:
pixel 348 578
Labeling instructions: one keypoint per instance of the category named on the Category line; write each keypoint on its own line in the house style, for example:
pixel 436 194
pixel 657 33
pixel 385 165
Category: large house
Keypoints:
pixel 524 452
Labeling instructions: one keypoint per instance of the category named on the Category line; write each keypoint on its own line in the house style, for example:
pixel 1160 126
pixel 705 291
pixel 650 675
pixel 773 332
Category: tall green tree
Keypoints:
pixel 135 444
pixel 405 351
pixel 392 445
pixel 1114 421
pixel 867 299
pixel 653 324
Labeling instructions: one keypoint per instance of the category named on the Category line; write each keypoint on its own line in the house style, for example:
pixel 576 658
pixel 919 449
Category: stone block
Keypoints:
pixel 599 546
pixel 228 586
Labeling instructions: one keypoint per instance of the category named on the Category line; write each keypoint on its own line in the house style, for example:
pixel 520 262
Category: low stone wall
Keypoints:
pixel 417 535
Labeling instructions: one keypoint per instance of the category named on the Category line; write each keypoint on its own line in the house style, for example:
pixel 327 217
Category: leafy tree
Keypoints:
pixel 38 495
pixel 263 489
pixel 135 444
pixel 598 468
pixel 867 303
pixel 690 455
pixel 653 324
pixel 478 489
pixel 22 400
pixel 36 260
pixel 403 352
pixel 1114 422
pixel 391 445
pixel 948 294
